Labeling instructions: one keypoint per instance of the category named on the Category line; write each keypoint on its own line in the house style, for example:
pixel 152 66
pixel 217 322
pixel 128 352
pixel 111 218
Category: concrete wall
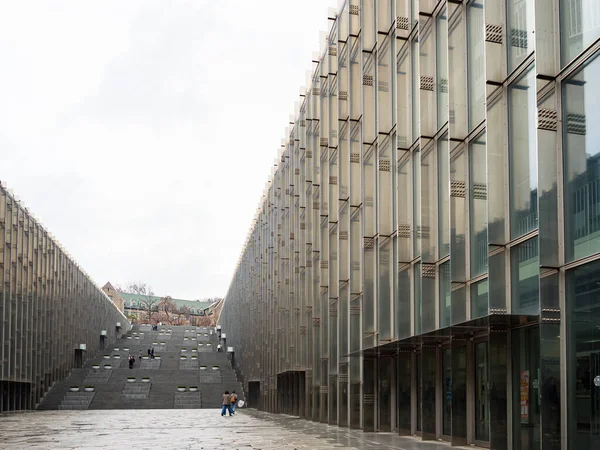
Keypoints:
pixel 49 306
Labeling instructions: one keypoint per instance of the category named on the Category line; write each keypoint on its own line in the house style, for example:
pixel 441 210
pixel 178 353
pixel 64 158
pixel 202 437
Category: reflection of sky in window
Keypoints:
pixel 531 105
pixel 591 75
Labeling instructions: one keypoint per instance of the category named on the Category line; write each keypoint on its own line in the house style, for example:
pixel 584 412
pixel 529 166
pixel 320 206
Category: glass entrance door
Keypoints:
pixel 482 407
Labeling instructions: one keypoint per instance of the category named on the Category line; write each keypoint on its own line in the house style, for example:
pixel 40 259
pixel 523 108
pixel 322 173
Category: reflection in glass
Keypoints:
pixel 442 68
pixel 475 63
pixel 521 37
pixel 579 26
pixel 445 298
pixel 418 298
pixel 416 202
pixel 478 206
pixel 447 392
pixel 583 356
pixel 523 155
pixel 479 299
pixel 526 377
pixel 525 278
pixel 482 406
pixel 581 104
pixel 443 172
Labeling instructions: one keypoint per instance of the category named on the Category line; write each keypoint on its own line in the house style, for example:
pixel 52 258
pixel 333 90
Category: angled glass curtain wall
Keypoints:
pixel 436 205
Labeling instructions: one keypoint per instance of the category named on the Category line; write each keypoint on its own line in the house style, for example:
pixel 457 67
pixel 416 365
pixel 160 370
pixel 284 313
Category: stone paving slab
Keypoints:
pixel 187 429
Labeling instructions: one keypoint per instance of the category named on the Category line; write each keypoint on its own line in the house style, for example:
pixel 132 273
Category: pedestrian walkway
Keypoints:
pixel 187 429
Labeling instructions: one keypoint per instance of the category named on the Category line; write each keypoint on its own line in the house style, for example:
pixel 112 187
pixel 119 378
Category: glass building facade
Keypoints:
pixel 425 258
pixel 53 317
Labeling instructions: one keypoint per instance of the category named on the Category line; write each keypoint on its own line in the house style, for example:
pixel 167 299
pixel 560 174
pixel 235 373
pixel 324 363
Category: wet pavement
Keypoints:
pixel 186 429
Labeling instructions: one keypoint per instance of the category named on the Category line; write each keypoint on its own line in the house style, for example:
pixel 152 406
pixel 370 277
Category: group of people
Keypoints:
pixel 155 327
pixel 229 403
pixel 131 361
pixel 151 353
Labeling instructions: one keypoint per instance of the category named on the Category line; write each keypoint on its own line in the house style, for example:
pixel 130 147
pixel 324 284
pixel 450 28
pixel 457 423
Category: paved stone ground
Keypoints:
pixel 190 429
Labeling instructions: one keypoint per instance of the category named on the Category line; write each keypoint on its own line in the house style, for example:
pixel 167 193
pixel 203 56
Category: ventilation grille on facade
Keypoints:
pixel 383 86
pixel 426 83
pixel 367 80
pixel 302 329
pixel 332 50
pixel 296 171
pixel 404 230
pixel 343 377
pixel 309 153
pixel 368 399
pixel 479 191
pixel 402 23
pixel 402 141
pixel 576 123
pixel 333 180
pixel 316 321
pixel 343 235
pixel 302 122
pixel 355 265
pixel 292 235
pixel 355 310
pixel 428 270
pixel 493 33
pixel 324 264
pixel 353 10
pixel 354 158
pixel 324 142
pixel 302 225
pixel 547 119
pixel 457 189
pixel 343 95
pixel 316 91
pixel 384 165
pixel 369 243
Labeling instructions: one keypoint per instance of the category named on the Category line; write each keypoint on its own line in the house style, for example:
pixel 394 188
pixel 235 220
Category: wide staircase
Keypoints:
pixel 186 372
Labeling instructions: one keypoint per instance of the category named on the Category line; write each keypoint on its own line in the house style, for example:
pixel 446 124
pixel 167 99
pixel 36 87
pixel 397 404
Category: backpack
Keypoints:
pixel 233 398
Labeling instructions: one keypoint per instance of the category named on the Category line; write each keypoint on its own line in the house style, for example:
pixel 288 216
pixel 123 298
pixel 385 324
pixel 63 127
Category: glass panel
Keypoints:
pixel 475 63
pixel 416 179
pixel 459 305
pixel 583 356
pixel 478 206
pixel 581 103
pixel 526 380
pixel 459 392
pixel 428 205
pixel 429 383
pixel 403 109
pixel 521 37
pixel 523 155
pixel 579 26
pixel 443 173
pixel 457 100
pixel 404 190
pixel 447 392
pixel 457 216
pixel 402 317
pixel 445 303
pixel 416 88
pixel 525 278
pixel 479 299
pixel 404 391
pixel 482 408
pixel 418 309
pixel 442 68
pixel 419 391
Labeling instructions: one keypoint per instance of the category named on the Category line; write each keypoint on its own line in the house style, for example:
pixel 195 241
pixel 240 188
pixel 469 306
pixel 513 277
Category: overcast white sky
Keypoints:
pixel 142 132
